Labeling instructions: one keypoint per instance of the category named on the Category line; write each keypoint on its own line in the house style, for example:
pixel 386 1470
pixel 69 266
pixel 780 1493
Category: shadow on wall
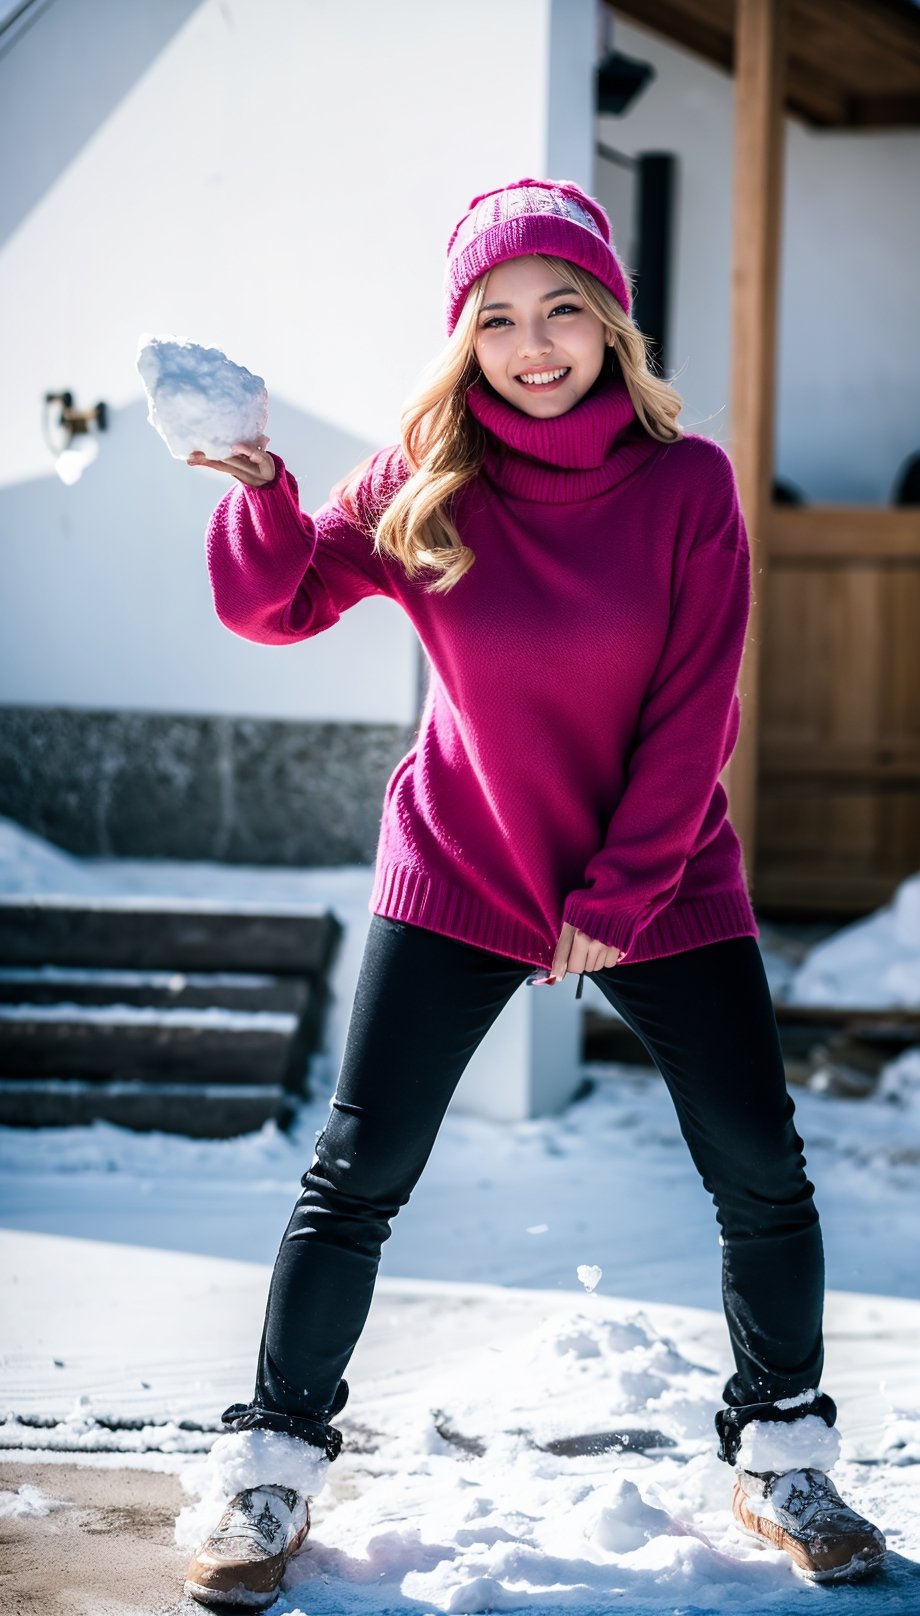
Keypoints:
pixel 106 596
pixel 60 79
pixel 113 567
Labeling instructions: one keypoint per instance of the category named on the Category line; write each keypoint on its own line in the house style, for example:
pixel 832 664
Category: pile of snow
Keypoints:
pixel 873 963
pixel 899 1084
pixel 587 1369
pixel 198 398
pixel 30 865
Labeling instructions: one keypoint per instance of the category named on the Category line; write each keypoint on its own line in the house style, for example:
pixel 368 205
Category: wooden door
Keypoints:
pixel 838 798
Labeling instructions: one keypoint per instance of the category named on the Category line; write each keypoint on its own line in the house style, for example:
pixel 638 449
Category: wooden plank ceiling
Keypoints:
pixel 852 64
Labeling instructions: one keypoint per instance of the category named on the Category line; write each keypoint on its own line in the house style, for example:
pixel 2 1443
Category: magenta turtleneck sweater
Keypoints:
pixel 582 700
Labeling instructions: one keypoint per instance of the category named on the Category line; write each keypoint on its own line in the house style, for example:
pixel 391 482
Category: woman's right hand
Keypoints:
pixel 249 463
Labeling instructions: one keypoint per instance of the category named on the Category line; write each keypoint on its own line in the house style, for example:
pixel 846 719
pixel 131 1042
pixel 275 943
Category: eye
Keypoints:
pixel 564 308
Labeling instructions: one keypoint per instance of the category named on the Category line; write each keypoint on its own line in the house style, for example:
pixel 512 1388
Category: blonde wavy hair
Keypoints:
pixel 443 443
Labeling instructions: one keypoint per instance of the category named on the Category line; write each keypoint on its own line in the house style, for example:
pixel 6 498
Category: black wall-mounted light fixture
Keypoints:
pixel 618 80
pixel 76 446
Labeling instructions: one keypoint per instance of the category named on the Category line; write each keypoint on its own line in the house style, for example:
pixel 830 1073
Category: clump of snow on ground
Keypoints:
pixel 28 1500
pixel 901 1435
pixel 198 398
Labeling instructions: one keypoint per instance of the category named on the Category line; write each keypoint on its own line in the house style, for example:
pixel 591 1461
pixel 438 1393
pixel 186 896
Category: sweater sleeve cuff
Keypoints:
pixel 276 482
pixel 613 930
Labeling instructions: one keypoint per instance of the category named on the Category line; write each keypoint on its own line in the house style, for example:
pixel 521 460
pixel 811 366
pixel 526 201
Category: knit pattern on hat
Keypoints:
pixel 531 216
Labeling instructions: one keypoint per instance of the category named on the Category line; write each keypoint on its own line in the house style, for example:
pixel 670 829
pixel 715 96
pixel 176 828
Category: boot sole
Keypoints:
pixel 243 1599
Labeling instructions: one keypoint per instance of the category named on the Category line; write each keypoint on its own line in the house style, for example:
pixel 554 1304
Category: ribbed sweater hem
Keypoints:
pixel 412 896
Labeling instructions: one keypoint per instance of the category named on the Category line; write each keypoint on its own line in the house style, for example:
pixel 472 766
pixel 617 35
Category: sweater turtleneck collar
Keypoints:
pixel 584 452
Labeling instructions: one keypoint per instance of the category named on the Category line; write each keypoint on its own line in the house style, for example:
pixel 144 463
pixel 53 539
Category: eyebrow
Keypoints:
pixel 544 299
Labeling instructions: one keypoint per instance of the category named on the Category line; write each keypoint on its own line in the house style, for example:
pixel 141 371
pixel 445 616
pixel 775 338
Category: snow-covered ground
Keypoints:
pixel 609 1181
pixel 149 1245
pixel 449 1495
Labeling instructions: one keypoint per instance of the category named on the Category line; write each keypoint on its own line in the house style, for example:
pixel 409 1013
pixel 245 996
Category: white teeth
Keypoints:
pixel 544 376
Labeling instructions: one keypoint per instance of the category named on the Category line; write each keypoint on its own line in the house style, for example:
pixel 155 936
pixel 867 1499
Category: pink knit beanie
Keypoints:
pixel 531 216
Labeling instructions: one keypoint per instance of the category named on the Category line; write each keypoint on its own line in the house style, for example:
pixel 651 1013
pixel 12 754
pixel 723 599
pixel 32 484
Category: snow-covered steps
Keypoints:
pixel 136 1041
pixel 204 1111
pixel 173 990
pixel 149 931
pixel 208 1071
pixel 183 1014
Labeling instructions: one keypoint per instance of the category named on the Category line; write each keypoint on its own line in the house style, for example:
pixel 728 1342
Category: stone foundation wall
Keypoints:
pixel 155 785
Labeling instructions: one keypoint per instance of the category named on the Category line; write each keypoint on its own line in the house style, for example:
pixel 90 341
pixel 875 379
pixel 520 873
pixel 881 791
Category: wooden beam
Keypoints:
pixel 851 64
pixel 875 766
pixel 701 26
pixel 806 534
pixel 869 48
pixel 883 112
pixel 756 224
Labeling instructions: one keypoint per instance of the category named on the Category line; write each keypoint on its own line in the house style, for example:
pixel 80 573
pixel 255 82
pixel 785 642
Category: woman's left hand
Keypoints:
pixel 576 952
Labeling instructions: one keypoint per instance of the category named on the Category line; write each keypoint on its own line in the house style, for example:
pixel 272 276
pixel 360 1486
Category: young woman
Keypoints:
pixel 577 569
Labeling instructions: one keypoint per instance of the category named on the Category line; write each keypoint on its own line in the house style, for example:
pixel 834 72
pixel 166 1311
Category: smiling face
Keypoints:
pixel 533 326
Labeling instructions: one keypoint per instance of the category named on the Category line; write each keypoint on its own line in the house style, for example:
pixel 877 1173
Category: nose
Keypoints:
pixel 534 339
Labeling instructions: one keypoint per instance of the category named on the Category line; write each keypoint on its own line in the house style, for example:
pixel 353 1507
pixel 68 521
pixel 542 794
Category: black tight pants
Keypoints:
pixel 423 1004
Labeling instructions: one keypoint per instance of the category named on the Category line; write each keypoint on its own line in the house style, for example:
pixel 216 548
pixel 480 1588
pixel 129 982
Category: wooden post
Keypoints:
pixel 756 227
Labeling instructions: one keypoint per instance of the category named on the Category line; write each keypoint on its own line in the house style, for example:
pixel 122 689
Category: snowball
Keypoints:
pixel 590 1275
pixel 198 398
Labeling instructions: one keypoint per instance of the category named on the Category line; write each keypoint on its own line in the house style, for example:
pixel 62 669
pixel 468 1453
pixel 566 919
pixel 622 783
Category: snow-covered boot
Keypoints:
pixel 802 1512
pixel 242 1561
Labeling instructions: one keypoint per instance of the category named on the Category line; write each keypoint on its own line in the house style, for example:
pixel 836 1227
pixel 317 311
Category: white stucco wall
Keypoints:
pixel 280 180
pixel 848 402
